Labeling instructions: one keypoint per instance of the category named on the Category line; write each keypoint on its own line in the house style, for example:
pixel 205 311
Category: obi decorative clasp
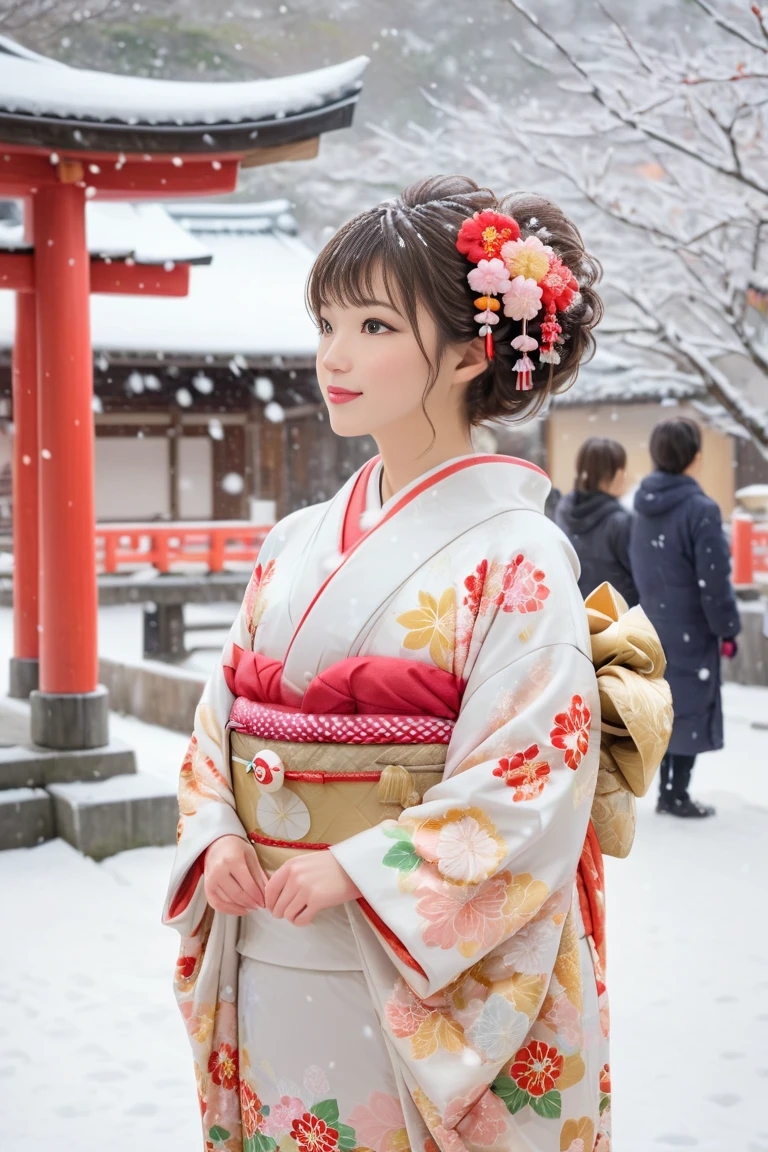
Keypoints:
pixel 309 782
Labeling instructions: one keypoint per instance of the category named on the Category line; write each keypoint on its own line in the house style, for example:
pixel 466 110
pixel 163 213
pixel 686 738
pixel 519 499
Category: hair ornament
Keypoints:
pixel 528 276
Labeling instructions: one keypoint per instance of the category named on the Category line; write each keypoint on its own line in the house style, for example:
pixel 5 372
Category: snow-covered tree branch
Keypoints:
pixel 659 147
pixel 673 155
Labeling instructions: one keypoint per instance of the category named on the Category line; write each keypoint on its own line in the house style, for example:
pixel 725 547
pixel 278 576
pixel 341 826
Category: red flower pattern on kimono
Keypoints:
pixel 223 1066
pixel 536 1068
pixel 605 1078
pixel 253 1121
pixel 571 732
pixel 482 592
pixel 474 585
pixel 185 966
pixel 523 588
pixel 524 773
pixel 313 1134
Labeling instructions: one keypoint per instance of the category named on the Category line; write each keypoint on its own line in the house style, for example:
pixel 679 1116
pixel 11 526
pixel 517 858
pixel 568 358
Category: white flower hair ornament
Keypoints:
pixel 527 275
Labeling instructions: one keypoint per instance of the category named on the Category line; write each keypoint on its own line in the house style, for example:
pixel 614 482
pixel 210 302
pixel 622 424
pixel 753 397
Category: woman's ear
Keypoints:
pixel 473 362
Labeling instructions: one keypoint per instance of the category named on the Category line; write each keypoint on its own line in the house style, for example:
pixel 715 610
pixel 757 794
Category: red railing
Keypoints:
pixel 749 549
pixel 214 544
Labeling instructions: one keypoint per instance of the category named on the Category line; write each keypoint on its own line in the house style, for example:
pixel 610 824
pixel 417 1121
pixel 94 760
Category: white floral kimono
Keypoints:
pixel 460 1004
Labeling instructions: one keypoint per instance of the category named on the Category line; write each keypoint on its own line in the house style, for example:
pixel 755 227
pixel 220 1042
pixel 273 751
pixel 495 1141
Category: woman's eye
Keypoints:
pixel 325 328
pixel 374 327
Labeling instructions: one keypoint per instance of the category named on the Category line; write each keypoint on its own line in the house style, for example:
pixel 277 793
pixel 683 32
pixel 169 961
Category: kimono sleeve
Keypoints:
pixel 503 832
pixel 206 797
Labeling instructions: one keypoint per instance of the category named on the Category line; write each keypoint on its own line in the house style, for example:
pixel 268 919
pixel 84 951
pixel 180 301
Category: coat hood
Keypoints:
pixel 660 492
pixel 580 512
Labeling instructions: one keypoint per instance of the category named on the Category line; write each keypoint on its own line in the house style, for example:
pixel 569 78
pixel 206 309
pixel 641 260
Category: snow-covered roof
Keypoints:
pixel 142 232
pixel 204 218
pixel 46 103
pixel 249 300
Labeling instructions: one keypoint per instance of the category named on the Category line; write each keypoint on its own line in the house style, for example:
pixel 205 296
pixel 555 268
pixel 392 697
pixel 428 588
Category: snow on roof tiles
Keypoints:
pixel 248 301
pixel 143 231
pixel 34 86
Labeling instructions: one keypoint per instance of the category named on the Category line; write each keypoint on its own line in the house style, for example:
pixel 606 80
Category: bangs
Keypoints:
pixel 346 271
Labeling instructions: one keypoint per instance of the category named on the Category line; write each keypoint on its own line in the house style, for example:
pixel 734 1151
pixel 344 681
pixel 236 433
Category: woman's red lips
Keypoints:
pixel 341 395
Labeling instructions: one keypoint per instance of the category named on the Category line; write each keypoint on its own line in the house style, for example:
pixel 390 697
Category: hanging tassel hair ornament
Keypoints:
pixel 524 367
pixel 529 277
pixel 486 318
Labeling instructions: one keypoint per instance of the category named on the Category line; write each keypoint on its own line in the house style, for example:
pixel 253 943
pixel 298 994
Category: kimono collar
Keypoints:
pixel 411 527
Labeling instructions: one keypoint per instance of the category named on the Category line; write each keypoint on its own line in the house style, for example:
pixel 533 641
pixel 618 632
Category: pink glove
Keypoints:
pixel 729 648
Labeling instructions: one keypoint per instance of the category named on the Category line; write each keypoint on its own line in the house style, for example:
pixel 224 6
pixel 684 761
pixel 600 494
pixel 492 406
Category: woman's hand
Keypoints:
pixel 234 880
pixel 307 884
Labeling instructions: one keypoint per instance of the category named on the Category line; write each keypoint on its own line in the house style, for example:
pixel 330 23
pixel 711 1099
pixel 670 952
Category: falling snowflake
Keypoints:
pixel 233 483
pixel 274 412
pixel 264 389
pixel 202 383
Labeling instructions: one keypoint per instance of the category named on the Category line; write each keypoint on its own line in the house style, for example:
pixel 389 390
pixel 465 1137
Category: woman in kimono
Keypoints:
pixel 386 799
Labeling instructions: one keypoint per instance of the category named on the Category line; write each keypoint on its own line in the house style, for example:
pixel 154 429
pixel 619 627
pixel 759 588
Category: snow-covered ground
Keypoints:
pixel 93 1055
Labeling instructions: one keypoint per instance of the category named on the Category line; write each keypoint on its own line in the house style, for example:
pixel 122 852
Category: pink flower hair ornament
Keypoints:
pixel 528 276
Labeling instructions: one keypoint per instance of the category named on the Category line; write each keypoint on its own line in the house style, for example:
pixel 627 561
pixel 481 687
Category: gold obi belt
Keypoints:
pixel 303 782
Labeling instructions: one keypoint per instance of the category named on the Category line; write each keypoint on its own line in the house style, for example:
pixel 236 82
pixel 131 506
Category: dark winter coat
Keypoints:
pixel 681 564
pixel 598 527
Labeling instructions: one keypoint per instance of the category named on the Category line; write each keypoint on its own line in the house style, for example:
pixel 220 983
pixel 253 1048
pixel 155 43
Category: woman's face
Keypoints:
pixel 371 371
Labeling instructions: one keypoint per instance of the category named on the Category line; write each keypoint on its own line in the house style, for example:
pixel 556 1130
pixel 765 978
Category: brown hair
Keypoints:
pixel 674 444
pixel 599 459
pixel 411 240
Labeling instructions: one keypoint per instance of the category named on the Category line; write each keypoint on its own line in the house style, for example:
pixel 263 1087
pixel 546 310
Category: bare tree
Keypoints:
pixel 669 146
pixel 660 150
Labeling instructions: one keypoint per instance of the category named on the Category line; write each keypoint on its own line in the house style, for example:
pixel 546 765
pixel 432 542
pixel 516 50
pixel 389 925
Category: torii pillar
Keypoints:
pixel 55 661
pixel 70 708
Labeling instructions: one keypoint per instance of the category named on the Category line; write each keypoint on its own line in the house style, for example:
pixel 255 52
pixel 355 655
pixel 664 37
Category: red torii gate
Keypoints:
pixel 56 150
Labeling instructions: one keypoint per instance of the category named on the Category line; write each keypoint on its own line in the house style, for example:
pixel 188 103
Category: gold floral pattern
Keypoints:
pixel 577 1130
pixel 433 625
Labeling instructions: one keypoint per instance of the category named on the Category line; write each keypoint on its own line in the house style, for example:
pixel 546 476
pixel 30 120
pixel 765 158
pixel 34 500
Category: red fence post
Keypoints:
pixel 741 550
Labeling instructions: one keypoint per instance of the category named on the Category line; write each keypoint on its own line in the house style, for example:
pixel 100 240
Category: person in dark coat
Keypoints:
pixel 681 563
pixel 595 522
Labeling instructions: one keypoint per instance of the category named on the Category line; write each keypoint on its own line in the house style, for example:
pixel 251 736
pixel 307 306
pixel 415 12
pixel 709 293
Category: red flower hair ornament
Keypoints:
pixel 527 275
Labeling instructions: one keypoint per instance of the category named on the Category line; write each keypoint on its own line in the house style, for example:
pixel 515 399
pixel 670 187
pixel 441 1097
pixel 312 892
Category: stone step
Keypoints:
pixel 109 816
pixel 26 817
pixel 32 766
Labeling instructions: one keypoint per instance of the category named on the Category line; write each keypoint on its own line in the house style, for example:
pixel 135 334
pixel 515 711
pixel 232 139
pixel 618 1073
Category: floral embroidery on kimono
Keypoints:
pixel 468 996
